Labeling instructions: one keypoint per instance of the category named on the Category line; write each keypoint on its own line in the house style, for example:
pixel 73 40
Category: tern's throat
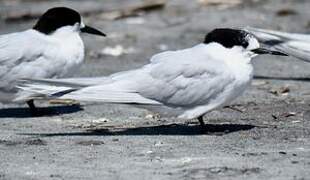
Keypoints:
pixel 69 43
pixel 68 37
pixel 65 32
pixel 231 56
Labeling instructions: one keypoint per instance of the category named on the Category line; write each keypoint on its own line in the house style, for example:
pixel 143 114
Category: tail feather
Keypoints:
pixel 70 82
pixel 54 89
pixel 110 97
pixel 28 91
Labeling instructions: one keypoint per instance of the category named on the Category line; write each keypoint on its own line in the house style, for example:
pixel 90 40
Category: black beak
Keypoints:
pixel 91 30
pixel 267 51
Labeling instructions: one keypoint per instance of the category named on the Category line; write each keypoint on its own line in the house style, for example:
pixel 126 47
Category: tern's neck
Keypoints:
pixel 235 55
pixel 65 32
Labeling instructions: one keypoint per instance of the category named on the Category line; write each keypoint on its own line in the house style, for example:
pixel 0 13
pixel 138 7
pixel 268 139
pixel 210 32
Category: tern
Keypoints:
pixel 53 48
pixel 296 45
pixel 185 83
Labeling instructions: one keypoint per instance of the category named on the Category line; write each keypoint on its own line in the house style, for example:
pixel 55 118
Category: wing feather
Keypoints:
pixel 267 35
pixel 17 50
pixel 297 45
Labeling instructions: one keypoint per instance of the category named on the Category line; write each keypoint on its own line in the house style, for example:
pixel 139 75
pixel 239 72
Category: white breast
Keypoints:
pixel 238 67
pixel 69 55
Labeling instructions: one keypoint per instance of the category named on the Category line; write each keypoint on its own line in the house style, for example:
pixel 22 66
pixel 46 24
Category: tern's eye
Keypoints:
pixel 245 44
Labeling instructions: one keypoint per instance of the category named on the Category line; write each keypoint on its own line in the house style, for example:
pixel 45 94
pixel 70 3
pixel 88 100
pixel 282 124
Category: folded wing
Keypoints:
pixel 17 50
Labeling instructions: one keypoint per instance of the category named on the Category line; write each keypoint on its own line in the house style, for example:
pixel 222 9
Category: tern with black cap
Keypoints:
pixel 53 48
pixel 185 83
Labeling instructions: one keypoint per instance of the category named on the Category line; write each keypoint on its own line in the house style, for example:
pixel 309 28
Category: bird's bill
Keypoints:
pixel 268 51
pixel 91 30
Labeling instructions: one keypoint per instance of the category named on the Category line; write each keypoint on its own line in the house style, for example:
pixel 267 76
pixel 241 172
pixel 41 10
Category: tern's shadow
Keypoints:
pixel 24 112
pixel 171 130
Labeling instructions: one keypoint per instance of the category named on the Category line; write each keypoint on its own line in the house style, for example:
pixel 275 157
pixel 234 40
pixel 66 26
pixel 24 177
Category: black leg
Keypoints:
pixel 32 107
pixel 200 119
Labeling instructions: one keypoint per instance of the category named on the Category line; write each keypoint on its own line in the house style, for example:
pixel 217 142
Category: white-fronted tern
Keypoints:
pixel 185 83
pixel 53 48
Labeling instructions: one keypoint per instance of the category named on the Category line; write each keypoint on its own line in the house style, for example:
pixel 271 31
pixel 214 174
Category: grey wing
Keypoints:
pixel 16 51
pixel 21 46
pixel 187 83
pixel 176 80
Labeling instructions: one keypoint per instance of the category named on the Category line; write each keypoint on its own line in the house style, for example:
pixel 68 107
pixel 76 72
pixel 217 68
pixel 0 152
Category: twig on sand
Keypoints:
pixel 133 10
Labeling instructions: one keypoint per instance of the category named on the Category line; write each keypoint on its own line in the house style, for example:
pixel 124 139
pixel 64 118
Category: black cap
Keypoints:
pixel 56 18
pixel 228 37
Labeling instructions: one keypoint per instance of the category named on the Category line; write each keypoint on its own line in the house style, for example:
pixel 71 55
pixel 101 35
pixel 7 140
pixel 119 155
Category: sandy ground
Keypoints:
pixel 267 139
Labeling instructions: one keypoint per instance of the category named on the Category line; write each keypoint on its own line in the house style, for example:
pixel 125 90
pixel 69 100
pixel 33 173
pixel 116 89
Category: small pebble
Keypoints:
pixel 115 139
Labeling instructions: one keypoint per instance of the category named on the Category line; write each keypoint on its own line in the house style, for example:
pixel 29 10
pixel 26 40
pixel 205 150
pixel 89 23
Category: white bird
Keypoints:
pixel 297 45
pixel 186 83
pixel 53 48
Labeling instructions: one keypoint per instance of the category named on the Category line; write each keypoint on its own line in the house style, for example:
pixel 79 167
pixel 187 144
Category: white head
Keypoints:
pixel 59 17
pixel 233 38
